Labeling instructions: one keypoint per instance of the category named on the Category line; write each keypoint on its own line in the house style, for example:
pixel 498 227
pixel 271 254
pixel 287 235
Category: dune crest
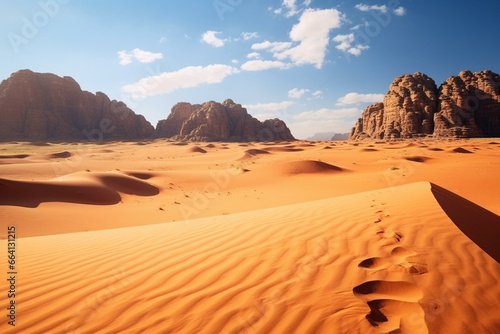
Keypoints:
pixel 306 268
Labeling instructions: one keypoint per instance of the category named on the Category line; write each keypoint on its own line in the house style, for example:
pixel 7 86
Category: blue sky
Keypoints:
pixel 313 63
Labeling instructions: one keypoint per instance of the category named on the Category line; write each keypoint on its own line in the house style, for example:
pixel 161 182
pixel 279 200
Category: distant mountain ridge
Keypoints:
pixel 43 106
pixel 467 105
pixel 321 136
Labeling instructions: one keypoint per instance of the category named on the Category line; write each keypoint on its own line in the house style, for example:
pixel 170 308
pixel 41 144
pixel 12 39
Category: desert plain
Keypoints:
pixel 283 237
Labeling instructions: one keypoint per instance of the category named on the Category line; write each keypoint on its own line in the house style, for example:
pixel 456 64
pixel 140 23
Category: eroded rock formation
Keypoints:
pixel 36 106
pixel 467 105
pixel 213 121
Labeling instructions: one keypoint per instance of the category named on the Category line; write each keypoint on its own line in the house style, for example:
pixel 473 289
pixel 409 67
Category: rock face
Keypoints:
pixel 407 110
pixel 36 106
pixel 172 125
pixel 212 121
pixel 467 105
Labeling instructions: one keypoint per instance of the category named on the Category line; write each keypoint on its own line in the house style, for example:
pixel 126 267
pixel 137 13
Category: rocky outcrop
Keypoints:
pixel 340 137
pixel 36 106
pixel 409 106
pixel 467 105
pixel 171 126
pixel 371 123
pixel 212 121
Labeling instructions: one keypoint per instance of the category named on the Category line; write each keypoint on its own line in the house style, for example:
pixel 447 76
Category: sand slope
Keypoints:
pixel 64 188
pixel 381 261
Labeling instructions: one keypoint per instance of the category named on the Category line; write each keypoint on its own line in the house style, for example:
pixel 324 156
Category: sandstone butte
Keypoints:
pixel 212 121
pixel 466 106
pixel 44 106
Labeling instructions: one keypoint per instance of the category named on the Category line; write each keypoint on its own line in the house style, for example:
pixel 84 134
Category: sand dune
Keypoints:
pixel 307 167
pixel 80 188
pixel 261 238
pixel 196 149
pixel 460 150
pixel 303 268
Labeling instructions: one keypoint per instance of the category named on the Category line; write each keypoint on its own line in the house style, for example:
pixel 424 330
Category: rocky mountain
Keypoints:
pixel 467 105
pixel 321 136
pixel 340 136
pixel 36 106
pixel 213 121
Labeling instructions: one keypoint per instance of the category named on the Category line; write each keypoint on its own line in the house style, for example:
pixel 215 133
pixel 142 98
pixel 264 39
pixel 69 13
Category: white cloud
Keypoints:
pixel 253 55
pixel 163 40
pixel 262 65
pixel 274 108
pixel 356 50
pixel 273 47
pixel 316 95
pixel 210 37
pixel 188 77
pixel 355 98
pixel 291 7
pixel 400 11
pixel 345 41
pixel 345 44
pixel 312 34
pixel 296 93
pixel 249 35
pixel 367 8
pixel 326 113
pixel 235 61
pixel 127 57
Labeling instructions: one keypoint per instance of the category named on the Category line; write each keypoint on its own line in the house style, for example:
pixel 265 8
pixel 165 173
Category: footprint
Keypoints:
pixel 374 263
pixel 401 258
pixel 391 315
pixel 396 290
pixel 391 303
pixel 391 236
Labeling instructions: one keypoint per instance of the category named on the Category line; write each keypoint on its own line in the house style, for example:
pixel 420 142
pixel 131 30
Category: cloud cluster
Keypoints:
pixel 291 8
pixel 128 57
pixel 309 38
pixel 345 44
pixel 399 11
pixel 296 93
pixel 210 37
pixel 249 35
pixel 367 8
pixel 262 65
pixel 188 77
pixel 356 98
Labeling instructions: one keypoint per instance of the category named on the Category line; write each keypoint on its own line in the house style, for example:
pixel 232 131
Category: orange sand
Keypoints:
pixel 295 237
